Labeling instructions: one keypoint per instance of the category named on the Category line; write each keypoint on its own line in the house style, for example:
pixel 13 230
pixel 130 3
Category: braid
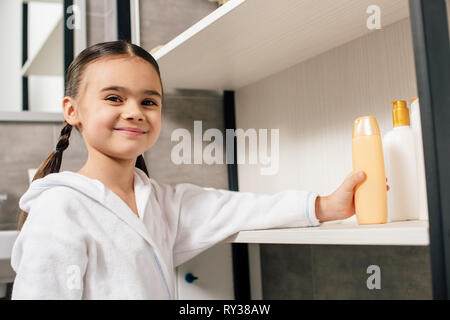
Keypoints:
pixel 52 164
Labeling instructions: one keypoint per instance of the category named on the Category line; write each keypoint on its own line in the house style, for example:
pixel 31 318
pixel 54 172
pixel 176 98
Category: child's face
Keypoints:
pixel 117 93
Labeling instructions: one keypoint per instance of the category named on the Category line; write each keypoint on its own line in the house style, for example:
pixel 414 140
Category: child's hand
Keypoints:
pixel 340 204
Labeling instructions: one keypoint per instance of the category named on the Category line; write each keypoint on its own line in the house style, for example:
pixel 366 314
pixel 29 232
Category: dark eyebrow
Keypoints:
pixel 118 88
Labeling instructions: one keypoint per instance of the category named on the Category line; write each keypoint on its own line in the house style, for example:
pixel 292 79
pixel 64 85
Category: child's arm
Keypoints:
pixel 207 216
pixel 49 255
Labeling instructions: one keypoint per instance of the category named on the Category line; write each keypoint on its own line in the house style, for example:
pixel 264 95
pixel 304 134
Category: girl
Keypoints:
pixel 109 231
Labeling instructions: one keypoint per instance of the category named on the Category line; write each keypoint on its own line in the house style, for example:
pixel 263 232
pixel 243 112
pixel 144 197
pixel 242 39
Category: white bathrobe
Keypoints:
pixel 81 241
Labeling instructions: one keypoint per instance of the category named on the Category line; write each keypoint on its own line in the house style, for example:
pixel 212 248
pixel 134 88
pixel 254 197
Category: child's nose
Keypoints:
pixel 132 112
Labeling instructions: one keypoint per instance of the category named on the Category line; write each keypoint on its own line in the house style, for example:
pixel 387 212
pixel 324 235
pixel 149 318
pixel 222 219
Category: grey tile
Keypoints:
pixel 24 142
pixel 25 146
pixel 180 109
pixel 340 272
pixel 286 272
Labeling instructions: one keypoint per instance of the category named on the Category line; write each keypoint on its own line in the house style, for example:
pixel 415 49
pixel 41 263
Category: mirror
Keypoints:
pixel 32 57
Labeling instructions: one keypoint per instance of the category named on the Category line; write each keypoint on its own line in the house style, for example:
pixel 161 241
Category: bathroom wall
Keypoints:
pixel 314 104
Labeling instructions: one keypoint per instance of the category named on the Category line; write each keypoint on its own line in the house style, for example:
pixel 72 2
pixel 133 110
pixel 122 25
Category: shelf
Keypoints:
pixel 51 1
pixel 403 233
pixel 31 116
pixel 48 59
pixel 244 41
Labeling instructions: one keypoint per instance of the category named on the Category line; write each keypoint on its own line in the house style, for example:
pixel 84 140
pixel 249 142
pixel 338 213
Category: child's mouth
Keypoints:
pixel 131 131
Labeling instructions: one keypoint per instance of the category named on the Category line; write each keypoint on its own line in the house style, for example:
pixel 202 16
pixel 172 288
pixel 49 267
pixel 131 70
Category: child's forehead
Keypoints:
pixel 120 71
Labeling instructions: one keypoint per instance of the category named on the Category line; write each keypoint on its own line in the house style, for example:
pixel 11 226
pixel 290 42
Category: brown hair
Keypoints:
pixel 73 79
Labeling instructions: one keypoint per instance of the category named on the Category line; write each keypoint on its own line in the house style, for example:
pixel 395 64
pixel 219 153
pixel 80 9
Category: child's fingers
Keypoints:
pixel 353 179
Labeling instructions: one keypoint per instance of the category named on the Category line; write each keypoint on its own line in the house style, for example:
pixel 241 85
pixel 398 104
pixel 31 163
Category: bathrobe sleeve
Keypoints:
pixel 50 254
pixel 207 216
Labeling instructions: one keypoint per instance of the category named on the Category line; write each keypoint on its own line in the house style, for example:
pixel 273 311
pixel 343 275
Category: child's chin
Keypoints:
pixel 131 155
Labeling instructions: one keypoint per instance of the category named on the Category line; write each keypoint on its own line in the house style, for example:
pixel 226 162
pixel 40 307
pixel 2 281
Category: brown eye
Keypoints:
pixel 113 99
pixel 149 103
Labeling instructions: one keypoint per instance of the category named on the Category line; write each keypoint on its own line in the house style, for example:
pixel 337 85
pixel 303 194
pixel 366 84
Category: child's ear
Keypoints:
pixel 70 111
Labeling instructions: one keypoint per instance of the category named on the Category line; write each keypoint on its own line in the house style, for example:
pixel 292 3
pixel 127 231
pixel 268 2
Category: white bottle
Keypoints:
pixel 399 146
pixel 416 126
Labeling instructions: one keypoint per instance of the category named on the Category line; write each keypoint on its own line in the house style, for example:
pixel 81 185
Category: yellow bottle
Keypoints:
pixel 367 154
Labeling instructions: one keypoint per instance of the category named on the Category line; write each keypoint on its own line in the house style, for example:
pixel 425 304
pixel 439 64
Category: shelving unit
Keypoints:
pixel 293 31
pixel 245 41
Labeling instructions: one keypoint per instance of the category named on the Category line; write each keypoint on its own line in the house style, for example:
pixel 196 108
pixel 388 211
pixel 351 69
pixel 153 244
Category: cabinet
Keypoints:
pixel 273 54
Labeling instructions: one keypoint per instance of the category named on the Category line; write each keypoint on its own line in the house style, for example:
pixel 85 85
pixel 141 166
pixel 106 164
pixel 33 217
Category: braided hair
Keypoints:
pixel 73 78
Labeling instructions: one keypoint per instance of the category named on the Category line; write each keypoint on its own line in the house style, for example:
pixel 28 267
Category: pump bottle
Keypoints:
pixel 401 166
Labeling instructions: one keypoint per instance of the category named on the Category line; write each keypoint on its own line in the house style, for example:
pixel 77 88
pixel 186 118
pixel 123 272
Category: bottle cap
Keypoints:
pixel 400 113
pixel 365 126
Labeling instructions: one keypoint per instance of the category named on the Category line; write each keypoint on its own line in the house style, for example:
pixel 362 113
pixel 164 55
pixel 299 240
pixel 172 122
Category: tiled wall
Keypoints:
pixel 340 272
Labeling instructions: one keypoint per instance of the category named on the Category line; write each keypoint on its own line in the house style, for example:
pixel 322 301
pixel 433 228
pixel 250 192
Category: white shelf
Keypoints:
pixel 244 41
pixel 48 60
pixel 404 233
pixel 51 1
pixel 31 116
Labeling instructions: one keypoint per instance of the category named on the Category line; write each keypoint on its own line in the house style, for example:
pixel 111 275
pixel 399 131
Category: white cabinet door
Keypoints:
pixel 214 271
